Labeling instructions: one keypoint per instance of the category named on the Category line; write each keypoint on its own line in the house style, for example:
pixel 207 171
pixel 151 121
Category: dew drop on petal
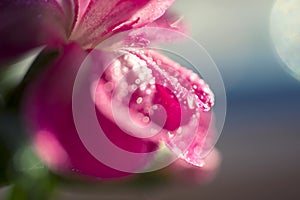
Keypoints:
pixel 139 100
pixel 146 119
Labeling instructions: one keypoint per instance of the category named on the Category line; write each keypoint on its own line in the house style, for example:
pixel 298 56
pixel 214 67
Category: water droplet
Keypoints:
pixel 190 101
pixel 125 69
pixel 152 81
pixel 193 77
pixel 143 86
pixel 137 81
pixel 154 107
pixel 179 130
pixel 170 135
pixel 148 91
pixel 146 119
pixel 132 88
pixel 139 100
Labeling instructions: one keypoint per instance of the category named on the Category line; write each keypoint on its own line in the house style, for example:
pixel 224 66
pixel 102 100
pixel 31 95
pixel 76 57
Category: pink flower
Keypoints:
pixel 31 23
pixel 76 27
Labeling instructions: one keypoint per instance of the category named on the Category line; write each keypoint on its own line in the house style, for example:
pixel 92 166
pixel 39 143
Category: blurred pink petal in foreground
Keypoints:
pixel 49 112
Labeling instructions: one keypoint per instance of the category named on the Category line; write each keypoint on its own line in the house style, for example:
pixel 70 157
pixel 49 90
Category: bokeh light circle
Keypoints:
pixel 285 33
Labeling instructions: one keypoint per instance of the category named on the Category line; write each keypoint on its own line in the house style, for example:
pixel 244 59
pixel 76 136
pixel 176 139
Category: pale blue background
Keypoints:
pixel 260 142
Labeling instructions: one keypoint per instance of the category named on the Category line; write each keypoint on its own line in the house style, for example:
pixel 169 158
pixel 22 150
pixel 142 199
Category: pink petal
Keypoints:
pixel 144 88
pixel 28 24
pixel 48 112
pixel 69 10
pixel 203 142
pixel 170 20
pixel 169 28
pixel 99 19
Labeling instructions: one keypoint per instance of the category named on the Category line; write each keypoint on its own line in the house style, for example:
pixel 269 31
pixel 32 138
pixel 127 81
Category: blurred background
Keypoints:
pixel 260 142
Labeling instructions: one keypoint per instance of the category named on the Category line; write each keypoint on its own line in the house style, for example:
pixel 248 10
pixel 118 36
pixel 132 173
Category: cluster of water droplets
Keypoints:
pixel 154 97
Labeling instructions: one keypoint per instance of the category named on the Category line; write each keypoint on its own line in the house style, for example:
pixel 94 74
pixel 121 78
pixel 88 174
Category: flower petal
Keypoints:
pixel 151 96
pixel 69 10
pixel 170 20
pixel 28 24
pixel 99 19
pixel 48 111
